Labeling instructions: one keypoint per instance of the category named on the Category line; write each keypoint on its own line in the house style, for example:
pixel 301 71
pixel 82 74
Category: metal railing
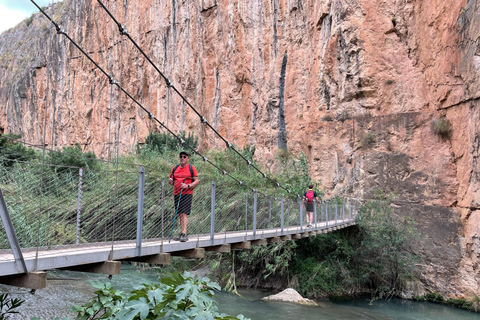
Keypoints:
pixel 53 206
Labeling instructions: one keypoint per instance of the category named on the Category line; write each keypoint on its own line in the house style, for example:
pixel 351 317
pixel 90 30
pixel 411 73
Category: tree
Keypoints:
pixel 384 257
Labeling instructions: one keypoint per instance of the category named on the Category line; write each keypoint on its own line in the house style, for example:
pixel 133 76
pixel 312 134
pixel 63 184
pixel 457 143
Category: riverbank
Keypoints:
pixel 65 289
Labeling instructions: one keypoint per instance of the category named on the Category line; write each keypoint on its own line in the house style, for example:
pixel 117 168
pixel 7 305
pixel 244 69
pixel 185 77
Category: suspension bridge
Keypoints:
pixel 92 218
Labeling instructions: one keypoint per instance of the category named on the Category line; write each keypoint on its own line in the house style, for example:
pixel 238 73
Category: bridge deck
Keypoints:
pixel 74 255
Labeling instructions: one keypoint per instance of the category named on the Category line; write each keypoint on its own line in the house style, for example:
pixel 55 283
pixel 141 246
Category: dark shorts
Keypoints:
pixel 185 203
pixel 310 207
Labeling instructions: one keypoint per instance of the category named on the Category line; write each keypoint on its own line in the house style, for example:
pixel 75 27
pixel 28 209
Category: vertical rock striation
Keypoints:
pixel 357 69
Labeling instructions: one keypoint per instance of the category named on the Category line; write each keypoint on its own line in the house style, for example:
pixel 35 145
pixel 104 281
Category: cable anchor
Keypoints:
pixel 122 30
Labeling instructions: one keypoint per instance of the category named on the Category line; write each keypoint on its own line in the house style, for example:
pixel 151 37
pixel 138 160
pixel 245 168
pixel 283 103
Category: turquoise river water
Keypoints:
pixel 65 289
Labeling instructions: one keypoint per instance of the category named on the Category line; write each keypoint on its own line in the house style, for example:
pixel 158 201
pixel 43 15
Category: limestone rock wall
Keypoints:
pixel 318 77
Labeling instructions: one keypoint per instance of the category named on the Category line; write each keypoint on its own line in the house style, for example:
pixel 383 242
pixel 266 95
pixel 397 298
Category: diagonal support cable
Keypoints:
pixel 114 82
pixel 124 31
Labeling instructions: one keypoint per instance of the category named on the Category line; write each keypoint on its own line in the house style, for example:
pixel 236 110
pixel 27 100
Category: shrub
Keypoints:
pixel 175 297
pixel 394 21
pixel 434 297
pixel 442 127
pixel 343 115
pixel 71 158
pixel 159 142
pixel 8 306
pixel 29 20
pixel 327 118
pixel 473 304
pixel 383 258
pixel 367 140
pixel 12 151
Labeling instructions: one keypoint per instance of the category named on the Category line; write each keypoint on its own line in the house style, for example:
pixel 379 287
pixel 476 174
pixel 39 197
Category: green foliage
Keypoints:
pixel 367 140
pixel 394 21
pixel 383 257
pixel 255 265
pixel 323 266
pixel 8 306
pixel 472 304
pixel 71 158
pixel 107 303
pixel 175 297
pixel 442 127
pixel 161 142
pixel 293 174
pixel 12 151
pixel 29 20
pixel 434 297
pixel 457 303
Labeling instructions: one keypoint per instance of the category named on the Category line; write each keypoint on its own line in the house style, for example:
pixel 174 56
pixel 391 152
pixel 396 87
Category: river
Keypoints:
pixel 65 289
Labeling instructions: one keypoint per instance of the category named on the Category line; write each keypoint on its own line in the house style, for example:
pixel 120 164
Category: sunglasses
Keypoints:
pixel 183 157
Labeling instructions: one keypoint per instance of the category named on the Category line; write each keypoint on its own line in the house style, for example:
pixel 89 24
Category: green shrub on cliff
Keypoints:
pixel 442 127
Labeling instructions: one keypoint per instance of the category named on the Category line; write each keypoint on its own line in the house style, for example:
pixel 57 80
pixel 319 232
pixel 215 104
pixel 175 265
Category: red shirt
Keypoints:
pixel 179 175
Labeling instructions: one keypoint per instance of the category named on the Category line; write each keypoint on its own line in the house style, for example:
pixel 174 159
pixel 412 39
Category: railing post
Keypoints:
pixel 79 205
pixel 141 187
pixel 326 214
pixel 163 207
pixel 320 207
pixel 288 212
pixel 349 211
pixel 212 215
pixel 269 211
pixel 336 209
pixel 315 212
pixel 254 213
pixel 343 212
pixel 246 211
pixel 282 213
pixel 301 216
pixel 11 235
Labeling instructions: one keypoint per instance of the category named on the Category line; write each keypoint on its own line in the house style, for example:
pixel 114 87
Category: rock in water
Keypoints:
pixel 290 295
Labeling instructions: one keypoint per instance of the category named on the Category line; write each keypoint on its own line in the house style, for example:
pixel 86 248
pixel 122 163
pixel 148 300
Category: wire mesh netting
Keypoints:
pixel 52 206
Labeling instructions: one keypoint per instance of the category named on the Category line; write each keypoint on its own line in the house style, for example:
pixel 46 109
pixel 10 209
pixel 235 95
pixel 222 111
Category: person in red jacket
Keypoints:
pixel 310 197
pixel 184 179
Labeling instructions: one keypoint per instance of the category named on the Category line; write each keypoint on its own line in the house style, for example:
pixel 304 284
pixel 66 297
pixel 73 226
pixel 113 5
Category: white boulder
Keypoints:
pixel 290 295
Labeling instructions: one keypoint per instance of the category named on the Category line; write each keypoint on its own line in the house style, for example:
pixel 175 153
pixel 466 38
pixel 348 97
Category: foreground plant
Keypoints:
pixel 175 297
pixel 8 306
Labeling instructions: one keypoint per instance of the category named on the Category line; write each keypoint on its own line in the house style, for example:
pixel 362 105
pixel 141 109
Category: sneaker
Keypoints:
pixel 183 237
pixel 177 238
pixel 309 225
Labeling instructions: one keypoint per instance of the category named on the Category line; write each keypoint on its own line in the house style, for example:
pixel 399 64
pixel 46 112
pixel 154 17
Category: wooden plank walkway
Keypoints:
pixel 75 255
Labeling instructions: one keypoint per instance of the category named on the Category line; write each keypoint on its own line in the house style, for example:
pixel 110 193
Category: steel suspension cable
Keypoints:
pixel 43 162
pixel 124 31
pixel 114 82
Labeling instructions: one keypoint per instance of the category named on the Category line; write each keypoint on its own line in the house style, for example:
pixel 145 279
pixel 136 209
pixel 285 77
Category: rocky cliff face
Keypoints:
pixel 356 85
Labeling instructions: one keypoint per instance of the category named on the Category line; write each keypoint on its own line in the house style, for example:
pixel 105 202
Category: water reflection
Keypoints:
pixel 65 289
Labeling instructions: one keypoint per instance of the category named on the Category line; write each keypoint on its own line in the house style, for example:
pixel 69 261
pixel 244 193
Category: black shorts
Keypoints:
pixel 310 207
pixel 185 203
